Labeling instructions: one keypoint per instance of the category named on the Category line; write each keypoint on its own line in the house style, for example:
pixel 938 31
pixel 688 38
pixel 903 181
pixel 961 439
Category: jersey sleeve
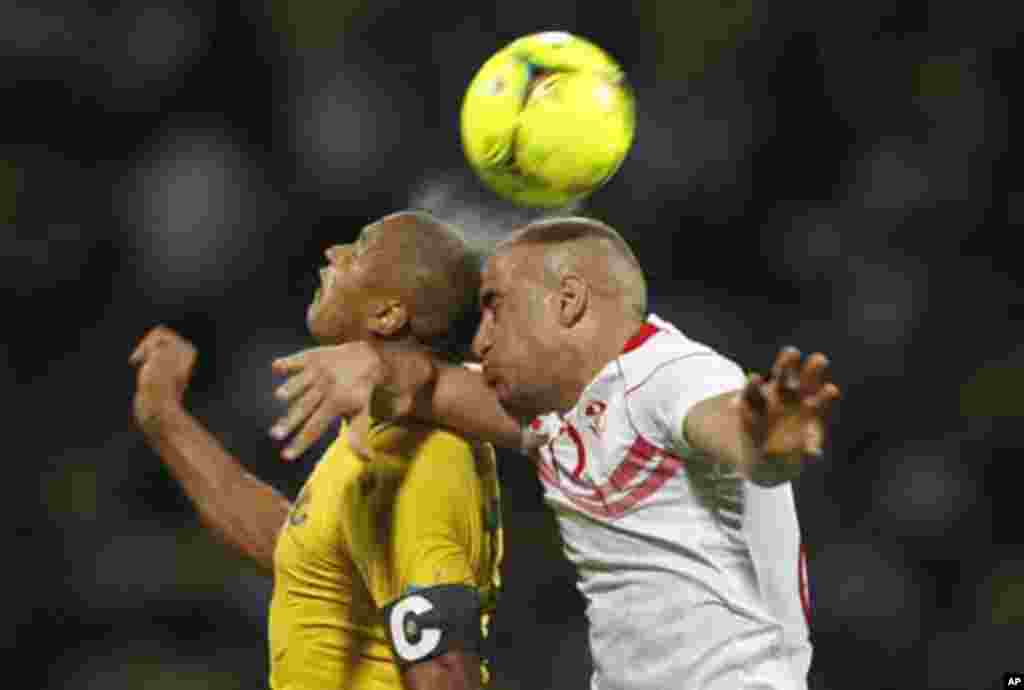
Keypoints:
pixel 433 521
pixel 673 388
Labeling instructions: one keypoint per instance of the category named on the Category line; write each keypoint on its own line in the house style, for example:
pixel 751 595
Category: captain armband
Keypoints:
pixel 428 622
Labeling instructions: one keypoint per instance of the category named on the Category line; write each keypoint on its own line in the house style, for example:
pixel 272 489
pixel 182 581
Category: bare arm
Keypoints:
pixel 454 670
pixel 387 382
pixel 766 429
pixel 714 428
pixel 241 511
pixel 462 400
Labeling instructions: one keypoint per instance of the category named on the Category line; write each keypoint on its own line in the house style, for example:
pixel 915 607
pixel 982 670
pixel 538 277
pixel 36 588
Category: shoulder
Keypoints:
pixel 671 355
pixel 668 375
pixel 337 469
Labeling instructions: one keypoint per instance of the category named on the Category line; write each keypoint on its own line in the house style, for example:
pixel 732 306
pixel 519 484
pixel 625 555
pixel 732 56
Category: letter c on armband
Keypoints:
pixel 429 622
pixel 411 641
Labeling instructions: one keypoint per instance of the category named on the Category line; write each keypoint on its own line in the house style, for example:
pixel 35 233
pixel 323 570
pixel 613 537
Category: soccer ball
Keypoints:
pixel 547 120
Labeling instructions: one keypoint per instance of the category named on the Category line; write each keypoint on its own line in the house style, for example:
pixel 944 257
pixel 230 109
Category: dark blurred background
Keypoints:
pixel 832 175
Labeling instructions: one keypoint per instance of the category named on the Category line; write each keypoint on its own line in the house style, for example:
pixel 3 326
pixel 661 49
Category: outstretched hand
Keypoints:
pixel 785 413
pixel 358 381
pixel 324 384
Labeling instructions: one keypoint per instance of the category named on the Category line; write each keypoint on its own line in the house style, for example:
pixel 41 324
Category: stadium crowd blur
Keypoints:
pixel 831 175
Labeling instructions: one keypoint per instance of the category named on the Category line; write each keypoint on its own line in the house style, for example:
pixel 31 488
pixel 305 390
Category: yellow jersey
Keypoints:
pixel 424 511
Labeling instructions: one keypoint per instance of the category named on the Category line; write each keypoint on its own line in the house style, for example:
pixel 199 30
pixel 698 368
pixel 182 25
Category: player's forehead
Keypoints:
pixel 383 236
pixel 377 231
pixel 509 267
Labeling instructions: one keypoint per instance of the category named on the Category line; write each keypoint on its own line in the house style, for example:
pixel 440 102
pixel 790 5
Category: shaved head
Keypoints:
pixel 593 250
pixel 437 275
pixel 559 299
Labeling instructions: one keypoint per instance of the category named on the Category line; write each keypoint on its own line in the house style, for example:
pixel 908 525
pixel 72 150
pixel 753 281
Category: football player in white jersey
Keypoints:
pixel 666 467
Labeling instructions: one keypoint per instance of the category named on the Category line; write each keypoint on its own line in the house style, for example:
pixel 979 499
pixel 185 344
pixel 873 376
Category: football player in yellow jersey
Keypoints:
pixel 386 564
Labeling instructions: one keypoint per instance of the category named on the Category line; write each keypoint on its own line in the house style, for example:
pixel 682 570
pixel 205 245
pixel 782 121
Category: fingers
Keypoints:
pixel 292 363
pixel 786 371
pixel 137 357
pixel 298 412
pixel 155 337
pixel 813 374
pixel 317 425
pixel 785 413
pixel 295 386
pixel 753 394
pixel 817 406
pixel 814 438
pixel 797 378
pixel 819 402
pixel 358 433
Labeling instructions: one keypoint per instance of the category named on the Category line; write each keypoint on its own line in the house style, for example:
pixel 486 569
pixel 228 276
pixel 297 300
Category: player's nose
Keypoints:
pixel 334 253
pixel 482 341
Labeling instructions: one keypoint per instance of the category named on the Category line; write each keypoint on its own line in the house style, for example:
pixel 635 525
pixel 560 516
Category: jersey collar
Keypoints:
pixel 640 337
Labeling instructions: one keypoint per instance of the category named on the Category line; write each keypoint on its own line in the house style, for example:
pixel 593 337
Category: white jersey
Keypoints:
pixel 693 577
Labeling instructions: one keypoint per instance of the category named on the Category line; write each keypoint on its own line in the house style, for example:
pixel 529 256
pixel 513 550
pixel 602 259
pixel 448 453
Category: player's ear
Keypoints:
pixel 389 318
pixel 573 296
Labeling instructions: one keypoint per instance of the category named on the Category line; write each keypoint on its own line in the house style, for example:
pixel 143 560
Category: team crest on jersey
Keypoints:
pixel 594 412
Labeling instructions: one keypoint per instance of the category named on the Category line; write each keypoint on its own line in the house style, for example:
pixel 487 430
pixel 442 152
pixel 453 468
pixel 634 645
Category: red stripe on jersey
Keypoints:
pixel 621 477
pixel 640 337
pixel 627 471
pixel 805 587
pixel 581 450
pixel 595 500
pixel 667 468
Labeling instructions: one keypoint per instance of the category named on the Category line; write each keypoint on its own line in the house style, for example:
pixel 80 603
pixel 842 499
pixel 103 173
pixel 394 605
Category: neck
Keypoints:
pixel 604 342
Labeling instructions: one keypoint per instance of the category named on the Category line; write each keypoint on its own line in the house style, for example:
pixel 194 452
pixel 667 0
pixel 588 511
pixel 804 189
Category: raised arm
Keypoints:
pixel 768 427
pixel 386 382
pixel 241 511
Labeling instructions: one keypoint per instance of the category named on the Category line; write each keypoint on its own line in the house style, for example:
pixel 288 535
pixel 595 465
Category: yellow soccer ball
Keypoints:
pixel 547 120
